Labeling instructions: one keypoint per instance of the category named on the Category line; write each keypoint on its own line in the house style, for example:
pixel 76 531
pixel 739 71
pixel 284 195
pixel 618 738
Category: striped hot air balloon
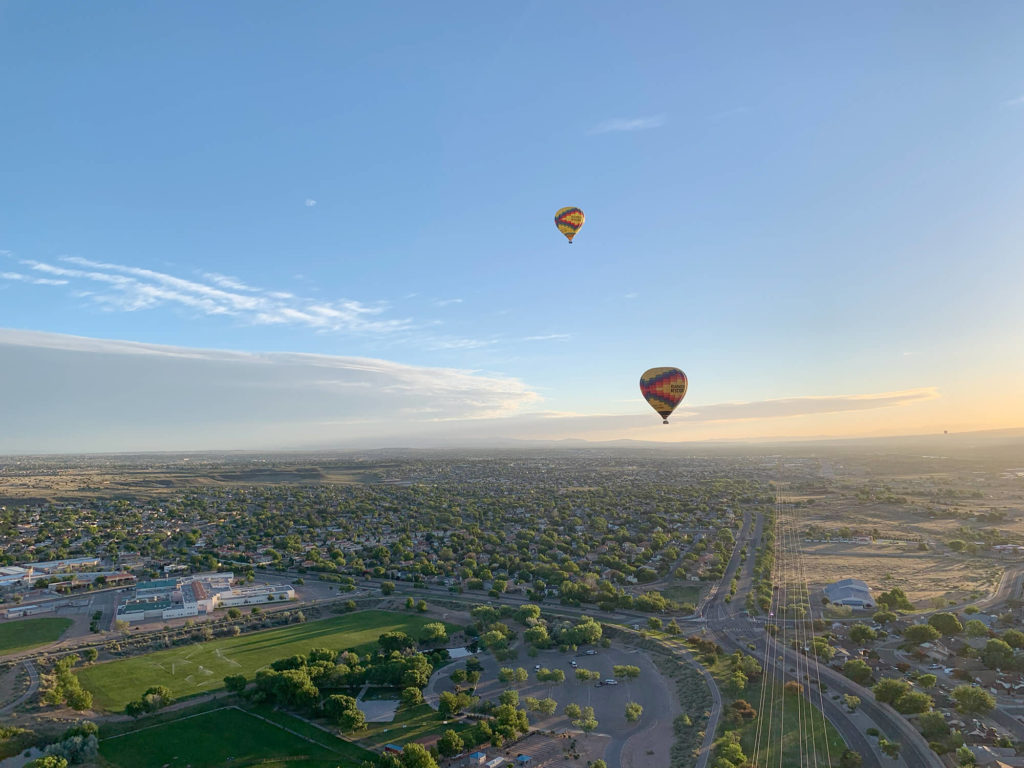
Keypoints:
pixel 569 220
pixel 664 389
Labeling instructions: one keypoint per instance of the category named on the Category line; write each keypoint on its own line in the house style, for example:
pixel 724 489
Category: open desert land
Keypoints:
pixel 930 580
pixel 46 478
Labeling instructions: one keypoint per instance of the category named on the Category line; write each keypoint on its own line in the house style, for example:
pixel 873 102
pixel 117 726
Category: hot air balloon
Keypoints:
pixel 569 220
pixel 664 389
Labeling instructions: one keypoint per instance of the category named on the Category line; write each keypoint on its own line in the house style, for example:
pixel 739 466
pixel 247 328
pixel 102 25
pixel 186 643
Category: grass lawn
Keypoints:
pixel 215 739
pixel 783 714
pixel 27 633
pixel 410 724
pixel 201 667
pixel 678 593
pixel 347 749
pixel 789 724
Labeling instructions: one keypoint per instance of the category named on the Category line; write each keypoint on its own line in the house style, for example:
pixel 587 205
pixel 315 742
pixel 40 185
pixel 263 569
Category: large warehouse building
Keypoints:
pixel 196 595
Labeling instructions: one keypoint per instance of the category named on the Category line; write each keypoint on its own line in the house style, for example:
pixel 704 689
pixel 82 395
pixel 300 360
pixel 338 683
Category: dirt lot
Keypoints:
pixel 924 576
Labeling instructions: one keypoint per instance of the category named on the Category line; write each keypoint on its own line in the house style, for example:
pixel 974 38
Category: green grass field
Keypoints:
pixel 28 633
pixel 682 593
pixel 352 752
pixel 784 714
pixel 224 737
pixel 410 724
pixel 789 724
pixel 201 667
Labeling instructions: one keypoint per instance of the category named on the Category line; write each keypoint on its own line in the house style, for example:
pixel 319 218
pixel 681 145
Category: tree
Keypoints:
pixel 416 756
pixel 235 683
pixel 889 689
pixel 49 761
pixel 947 623
pixel 933 725
pixel 410 603
pixel 79 699
pixel 891 748
pixel 234 613
pixel 352 720
pixel 793 688
pixel 654 623
pixel 421 606
pixel 547 706
pixel 913 703
pixel 850 759
pixel 737 683
pixel 586 721
pixel 434 632
pixel 633 712
pixel 572 711
pixel 862 633
pixel 387 587
pixel 964 756
pixel 509 697
pixel 412 696
pixel 895 599
pixel 927 681
pixel 972 700
pixel 975 628
pixel 921 633
pixel 1013 638
pixel 395 641
pixel 997 654
pixel 858 671
pixel 883 618
pixel 851 701
pixel 90 655
pixel 450 744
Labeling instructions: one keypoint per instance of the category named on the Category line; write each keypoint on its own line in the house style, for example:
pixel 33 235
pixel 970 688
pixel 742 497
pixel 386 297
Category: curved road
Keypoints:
pixel 33 686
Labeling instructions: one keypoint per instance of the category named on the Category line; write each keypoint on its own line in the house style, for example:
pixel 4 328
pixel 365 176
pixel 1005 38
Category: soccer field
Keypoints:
pixel 20 634
pixel 225 737
pixel 201 667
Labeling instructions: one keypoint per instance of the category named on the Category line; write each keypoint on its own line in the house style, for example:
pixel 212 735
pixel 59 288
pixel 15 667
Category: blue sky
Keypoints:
pixel 794 201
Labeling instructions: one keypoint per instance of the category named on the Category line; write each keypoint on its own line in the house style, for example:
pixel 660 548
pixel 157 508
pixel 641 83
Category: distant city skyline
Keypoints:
pixel 338 229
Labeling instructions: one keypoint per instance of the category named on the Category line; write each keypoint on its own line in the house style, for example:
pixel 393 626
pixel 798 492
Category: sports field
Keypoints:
pixel 20 634
pixel 201 667
pixel 228 737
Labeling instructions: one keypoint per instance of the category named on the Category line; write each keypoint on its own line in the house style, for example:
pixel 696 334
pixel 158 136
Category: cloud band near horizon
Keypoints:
pixel 72 394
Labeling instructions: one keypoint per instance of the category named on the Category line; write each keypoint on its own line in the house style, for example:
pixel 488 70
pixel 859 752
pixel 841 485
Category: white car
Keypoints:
pixel 537 668
pixel 611 682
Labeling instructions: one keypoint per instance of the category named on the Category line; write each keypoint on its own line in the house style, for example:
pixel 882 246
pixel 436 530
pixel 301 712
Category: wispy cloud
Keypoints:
pixel 631 295
pixel 455 343
pixel 446 302
pixel 628 124
pixel 129 289
pixel 33 280
pixel 548 337
pixel 310 202
pixel 1017 102
pixel 131 396
pixel 806 406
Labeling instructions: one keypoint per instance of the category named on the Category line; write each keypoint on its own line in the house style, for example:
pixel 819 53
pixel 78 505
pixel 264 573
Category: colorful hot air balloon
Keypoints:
pixel 569 220
pixel 664 389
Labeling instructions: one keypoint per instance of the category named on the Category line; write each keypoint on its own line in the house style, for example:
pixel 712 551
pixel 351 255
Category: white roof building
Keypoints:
pixel 852 592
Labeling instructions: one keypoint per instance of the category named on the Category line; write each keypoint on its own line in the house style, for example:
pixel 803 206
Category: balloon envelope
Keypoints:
pixel 664 389
pixel 569 220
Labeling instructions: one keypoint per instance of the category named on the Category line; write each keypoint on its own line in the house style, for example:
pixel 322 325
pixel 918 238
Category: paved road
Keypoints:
pixel 33 686
pixel 737 632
